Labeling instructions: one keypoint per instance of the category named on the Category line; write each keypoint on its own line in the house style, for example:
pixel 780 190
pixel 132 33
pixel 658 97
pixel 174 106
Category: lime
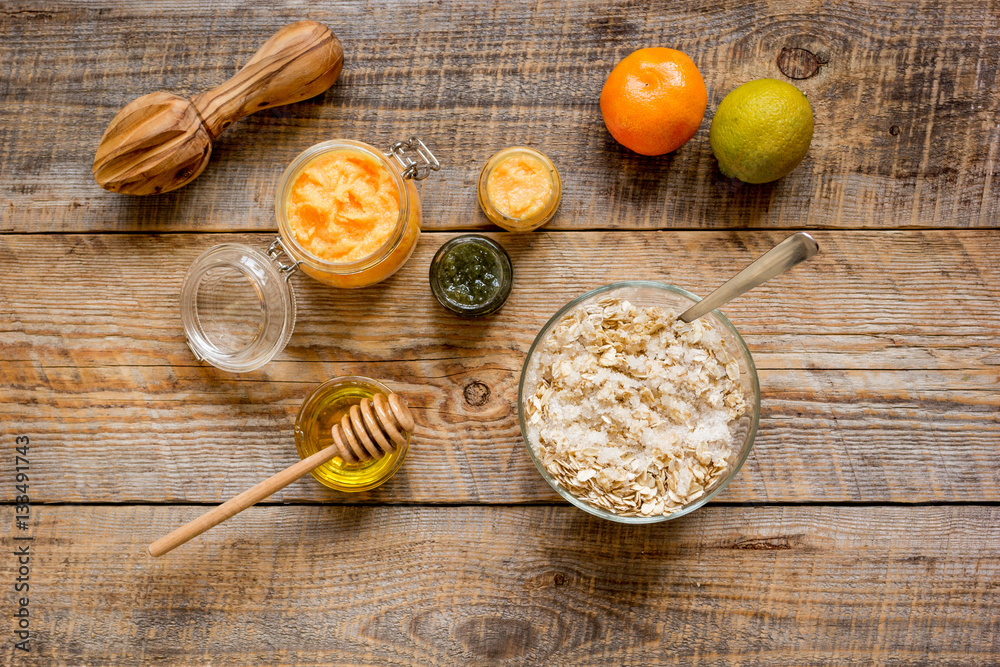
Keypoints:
pixel 761 131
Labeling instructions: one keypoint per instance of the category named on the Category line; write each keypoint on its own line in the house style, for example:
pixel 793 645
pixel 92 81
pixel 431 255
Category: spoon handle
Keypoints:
pixel 795 249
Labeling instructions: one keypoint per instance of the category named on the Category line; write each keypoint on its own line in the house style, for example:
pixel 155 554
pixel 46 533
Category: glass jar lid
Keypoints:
pixel 238 306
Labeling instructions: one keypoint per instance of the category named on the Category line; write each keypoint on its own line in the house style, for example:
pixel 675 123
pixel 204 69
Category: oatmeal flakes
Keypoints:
pixel 633 410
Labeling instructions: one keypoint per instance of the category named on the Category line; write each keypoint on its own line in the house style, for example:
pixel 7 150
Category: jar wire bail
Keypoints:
pixel 275 250
pixel 411 168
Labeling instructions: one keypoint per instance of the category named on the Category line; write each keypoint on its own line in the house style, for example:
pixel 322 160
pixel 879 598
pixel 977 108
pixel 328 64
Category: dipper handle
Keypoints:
pixel 391 416
pixel 298 62
pixel 235 505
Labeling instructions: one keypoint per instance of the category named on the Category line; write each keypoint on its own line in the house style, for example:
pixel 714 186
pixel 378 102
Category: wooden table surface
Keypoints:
pixel 864 528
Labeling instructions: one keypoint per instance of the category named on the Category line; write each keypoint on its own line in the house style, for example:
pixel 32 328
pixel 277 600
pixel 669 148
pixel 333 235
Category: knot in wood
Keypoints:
pixel 559 579
pixel 798 63
pixel 777 543
pixel 476 393
pixel 492 639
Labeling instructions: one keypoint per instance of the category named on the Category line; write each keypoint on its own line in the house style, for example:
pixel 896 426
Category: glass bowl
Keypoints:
pixel 646 293
pixel 323 408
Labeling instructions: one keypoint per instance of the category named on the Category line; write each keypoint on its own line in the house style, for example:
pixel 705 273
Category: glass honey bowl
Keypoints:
pixel 521 170
pixel 237 302
pixel 323 408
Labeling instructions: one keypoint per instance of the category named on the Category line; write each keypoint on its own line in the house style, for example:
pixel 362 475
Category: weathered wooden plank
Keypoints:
pixel 872 391
pixel 496 586
pixel 906 105
pixel 868 300
pixel 147 434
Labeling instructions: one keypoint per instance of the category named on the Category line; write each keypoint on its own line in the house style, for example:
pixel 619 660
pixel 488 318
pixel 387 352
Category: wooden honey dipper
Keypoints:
pixel 161 141
pixel 385 420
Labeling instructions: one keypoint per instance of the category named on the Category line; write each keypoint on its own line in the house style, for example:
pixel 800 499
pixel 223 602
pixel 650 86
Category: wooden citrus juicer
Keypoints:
pixel 161 141
pixel 368 431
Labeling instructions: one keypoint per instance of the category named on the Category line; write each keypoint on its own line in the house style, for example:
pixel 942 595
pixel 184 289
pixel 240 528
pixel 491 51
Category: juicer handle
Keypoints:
pixel 299 61
pixel 239 503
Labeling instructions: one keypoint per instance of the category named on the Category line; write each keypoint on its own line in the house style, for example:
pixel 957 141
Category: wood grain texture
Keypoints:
pixel 511 586
pixel 879 359
pixel 906 99
pixel 872 390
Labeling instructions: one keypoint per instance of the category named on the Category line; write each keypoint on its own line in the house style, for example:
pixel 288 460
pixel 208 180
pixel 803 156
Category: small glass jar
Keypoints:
pixel 533 220
pixel 324 407
pixel 237 303
pixel 492 275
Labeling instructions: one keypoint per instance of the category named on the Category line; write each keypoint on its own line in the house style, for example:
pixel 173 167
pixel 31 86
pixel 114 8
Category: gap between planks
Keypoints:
pixel 480 229
pixel 531 503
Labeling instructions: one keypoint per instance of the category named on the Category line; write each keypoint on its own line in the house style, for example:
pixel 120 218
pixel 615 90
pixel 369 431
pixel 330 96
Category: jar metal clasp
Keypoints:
pixel 275 251
pixel 418 171
pixel 194 350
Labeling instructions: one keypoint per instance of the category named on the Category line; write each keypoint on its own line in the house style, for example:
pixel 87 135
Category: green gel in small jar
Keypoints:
pixel 471 275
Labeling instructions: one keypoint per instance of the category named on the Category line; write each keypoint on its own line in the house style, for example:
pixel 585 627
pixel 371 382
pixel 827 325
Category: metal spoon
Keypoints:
pixel 795 249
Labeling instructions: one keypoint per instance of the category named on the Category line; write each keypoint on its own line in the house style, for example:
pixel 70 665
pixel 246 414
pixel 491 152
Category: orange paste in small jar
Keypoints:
pixel 519 186
pixel 344 211
pixel 519 189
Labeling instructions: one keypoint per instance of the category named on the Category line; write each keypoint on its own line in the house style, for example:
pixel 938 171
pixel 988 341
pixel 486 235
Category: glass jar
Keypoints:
pixel 533 220
pixel 393 253
pixel 324 407
pixel 237 303
pixel 471 258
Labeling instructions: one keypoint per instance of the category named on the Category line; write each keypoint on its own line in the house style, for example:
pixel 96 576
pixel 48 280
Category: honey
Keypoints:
pixel 326 406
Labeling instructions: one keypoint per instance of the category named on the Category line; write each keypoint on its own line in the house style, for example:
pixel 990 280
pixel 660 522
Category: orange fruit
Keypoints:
pixel 654 101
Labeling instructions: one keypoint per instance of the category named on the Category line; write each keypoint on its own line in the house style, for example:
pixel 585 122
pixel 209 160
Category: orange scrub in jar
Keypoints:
pixel 519 186
pixel 519 189
pixel 343 206
pixel 346 215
